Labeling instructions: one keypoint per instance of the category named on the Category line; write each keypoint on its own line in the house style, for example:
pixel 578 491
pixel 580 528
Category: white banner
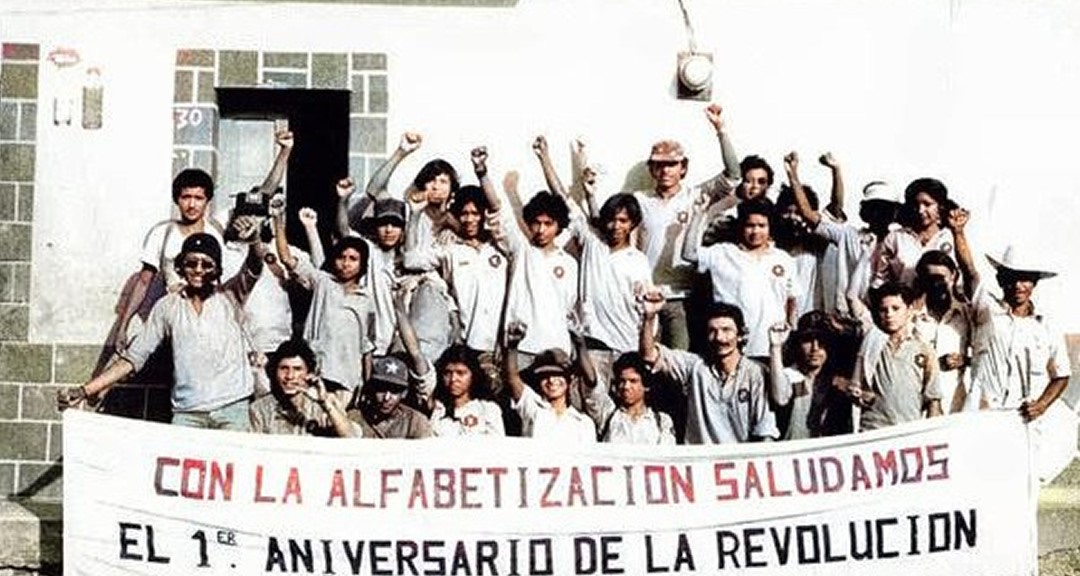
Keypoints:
pixel 944 496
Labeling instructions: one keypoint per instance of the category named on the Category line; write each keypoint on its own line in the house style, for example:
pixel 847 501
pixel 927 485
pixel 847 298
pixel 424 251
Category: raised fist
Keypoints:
pixel 345 188
pixel 308 216
pixel 479 156
pixel 540 146
pixel 410 142
pixel 712 112
pixel 515 333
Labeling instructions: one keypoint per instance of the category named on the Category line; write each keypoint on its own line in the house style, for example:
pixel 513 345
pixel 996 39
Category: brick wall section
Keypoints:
pixel 31 373
pixel 30 431
pixel 199 71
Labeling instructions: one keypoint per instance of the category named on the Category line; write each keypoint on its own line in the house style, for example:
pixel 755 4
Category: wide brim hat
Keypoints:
pixel 813 324
pixel 553 361
pixel 1017 260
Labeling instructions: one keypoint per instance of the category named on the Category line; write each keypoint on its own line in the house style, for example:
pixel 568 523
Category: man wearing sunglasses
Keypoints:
pixel 213 381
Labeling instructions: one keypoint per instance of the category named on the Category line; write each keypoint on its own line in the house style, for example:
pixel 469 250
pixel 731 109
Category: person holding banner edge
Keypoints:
pixel 213 376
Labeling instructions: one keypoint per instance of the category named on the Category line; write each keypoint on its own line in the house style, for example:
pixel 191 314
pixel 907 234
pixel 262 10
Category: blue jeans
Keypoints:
pixel 232 416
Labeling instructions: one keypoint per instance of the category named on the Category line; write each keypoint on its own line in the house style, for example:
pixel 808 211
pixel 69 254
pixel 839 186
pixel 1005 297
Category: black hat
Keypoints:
pixel 201 243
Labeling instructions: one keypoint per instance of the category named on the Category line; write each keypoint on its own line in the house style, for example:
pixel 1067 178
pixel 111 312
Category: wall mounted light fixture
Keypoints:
pixel 693 69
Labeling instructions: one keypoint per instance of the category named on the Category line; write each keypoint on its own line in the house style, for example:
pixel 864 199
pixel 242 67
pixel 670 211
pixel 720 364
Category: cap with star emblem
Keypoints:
pixel 390 370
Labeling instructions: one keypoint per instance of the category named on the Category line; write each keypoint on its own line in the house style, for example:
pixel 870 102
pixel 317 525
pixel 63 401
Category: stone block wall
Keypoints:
pixel 29 428
pixel 199 71
pixel 31 373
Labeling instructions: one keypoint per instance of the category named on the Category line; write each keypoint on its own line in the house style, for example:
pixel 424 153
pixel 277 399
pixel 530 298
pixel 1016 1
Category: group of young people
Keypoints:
pixel 708 313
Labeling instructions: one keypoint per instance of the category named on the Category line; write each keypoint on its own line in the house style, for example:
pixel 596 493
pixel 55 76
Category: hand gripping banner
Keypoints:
pixel 949 495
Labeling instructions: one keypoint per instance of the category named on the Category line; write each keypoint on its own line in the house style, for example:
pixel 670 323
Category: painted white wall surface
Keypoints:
pixel 980 94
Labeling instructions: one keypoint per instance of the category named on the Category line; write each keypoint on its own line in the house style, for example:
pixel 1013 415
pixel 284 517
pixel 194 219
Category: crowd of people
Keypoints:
pixel 708 313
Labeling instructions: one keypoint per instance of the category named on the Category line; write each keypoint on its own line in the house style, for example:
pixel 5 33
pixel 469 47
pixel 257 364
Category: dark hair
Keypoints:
pixel 932 186
pixel 790 233
pixel 292 348
pixel 760 205
pixel 479 387
pixel 192 178
pixel 633 361
pixel 469 194
pixel 354 242
pixel 787 197
pixel 908 214
pixel 725 310
pixel 621 201
pixel 754 161
pixel 934 258
pixel 553 205
pixel 432 169
pixel 876 295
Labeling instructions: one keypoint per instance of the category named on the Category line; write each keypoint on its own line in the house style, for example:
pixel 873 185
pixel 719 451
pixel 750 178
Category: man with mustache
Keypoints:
pixel 1020 360
pixel 213 380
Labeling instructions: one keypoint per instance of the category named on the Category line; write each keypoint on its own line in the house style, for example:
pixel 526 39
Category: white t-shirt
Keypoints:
pixel 163 242
pixel 477 280
pixel 900 251
pixel 607 288
pixel 539 420
pixel 661 237
pixel 267 312
pixel 847 245
pixel 475 418
pixel 543 290
pixel 759 284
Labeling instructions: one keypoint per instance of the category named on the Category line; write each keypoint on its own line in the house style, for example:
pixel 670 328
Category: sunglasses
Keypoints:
pixel 199 264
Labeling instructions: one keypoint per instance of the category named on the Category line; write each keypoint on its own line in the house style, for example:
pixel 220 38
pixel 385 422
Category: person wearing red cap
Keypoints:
pixel 213 378
pixel 666 211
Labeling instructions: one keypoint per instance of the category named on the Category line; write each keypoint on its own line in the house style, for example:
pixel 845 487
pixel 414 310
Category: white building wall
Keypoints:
pixel 980 94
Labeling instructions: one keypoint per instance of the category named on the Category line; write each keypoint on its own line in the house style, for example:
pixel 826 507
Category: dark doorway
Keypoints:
pixel 320 121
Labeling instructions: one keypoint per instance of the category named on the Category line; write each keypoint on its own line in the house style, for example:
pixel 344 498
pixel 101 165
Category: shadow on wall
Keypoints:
pixel 638 178
pixel 45 557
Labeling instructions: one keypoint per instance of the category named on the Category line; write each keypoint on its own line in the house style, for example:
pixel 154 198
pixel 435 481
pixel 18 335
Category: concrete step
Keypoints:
pixel 31 538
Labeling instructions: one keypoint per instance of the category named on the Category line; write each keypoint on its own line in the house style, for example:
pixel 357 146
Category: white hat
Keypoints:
pixel 879 190
pixel 1020 261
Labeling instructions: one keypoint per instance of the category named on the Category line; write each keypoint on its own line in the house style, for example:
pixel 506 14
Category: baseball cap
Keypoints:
pixel 390 370
pixel 389 209
pixel 666 151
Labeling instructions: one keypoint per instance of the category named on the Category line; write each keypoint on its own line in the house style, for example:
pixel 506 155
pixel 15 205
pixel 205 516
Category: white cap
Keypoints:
pixel 880 191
